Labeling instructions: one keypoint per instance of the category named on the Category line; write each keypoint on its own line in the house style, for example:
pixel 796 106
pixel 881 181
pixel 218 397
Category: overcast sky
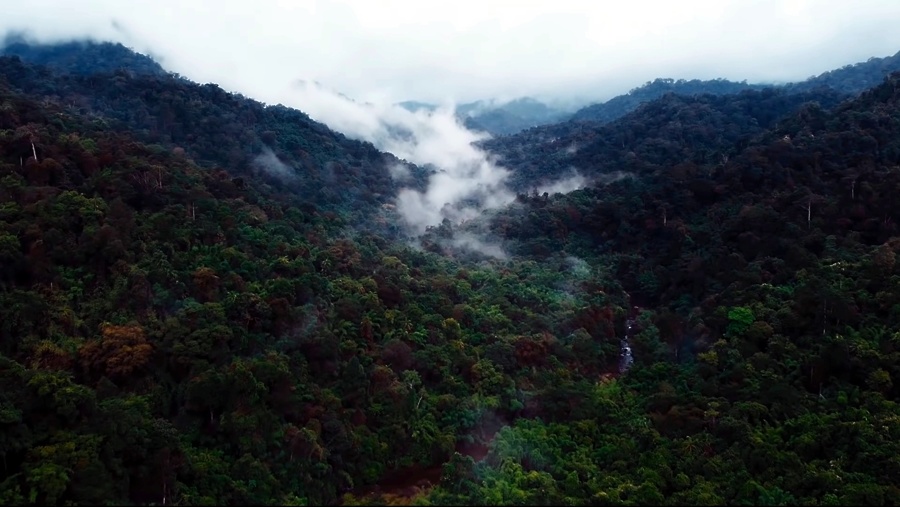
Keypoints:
pixel 440 50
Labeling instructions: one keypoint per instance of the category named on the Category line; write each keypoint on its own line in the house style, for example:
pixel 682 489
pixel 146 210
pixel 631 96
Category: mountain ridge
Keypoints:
pixel 162 115
pixel 507 118
pixel 82 56
pixel 850 79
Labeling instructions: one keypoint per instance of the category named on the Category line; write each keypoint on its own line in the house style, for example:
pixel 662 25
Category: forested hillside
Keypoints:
pixel 621 105
pixel 173 332
pixel 848 80
pixel 766 342
pixel 182 324
pixel 82 57
pixel 509 118
pixel 298 158
pixel 852 79
pixel 675 129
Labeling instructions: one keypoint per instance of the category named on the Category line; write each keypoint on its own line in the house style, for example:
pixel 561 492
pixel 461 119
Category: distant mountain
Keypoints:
pixel 850 79
pixel 82 57
pixel 853 79
pixel 524 113
pixel 499 119
pixel 663 117
pixel 413 105
pixel 621 105
pixel 700 129
pixel 511 117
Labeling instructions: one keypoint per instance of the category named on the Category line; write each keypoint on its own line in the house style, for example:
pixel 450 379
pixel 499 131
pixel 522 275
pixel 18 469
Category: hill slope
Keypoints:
pixel 848 80
pixel 282 146
pixel 768 320
pixel 82 57
pixel 853 79
pixel 172 333
pixel 671 130
pixel 621 105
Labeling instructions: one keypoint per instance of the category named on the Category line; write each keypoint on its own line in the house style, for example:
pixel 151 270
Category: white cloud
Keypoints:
pixel 571 183
pixel 465 181
pixel 270 163
pixel 476 244
pixel 393 50
pixel 576 181
pixel 580 268
pixel 400 172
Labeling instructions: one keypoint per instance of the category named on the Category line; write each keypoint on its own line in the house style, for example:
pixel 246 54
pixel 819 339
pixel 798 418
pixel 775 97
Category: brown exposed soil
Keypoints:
pixel 401 486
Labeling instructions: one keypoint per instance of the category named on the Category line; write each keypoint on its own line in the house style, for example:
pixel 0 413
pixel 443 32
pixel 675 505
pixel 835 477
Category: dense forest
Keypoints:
pixel 621 105
pixel 699 130
pixel 205 300
pixel 849 80
pixel 83 57
pixel 282 148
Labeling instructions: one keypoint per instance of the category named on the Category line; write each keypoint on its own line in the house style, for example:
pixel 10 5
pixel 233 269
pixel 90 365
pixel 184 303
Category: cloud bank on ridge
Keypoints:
pixel 466 179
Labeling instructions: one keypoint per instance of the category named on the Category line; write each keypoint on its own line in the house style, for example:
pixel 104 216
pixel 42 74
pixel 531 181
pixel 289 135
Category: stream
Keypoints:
pixel 625 357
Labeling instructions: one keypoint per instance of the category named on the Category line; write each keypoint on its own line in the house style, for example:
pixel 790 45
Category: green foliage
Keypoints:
pixel 739 320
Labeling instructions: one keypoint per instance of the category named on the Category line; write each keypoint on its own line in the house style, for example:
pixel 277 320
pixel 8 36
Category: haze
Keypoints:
pixel 445 51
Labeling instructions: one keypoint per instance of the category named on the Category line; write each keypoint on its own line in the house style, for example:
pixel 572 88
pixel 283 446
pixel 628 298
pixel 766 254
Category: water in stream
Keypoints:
pixel 625 357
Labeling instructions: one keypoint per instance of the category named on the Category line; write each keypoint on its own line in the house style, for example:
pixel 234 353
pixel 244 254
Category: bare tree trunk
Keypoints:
pixel 809 215
pixel 34 151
